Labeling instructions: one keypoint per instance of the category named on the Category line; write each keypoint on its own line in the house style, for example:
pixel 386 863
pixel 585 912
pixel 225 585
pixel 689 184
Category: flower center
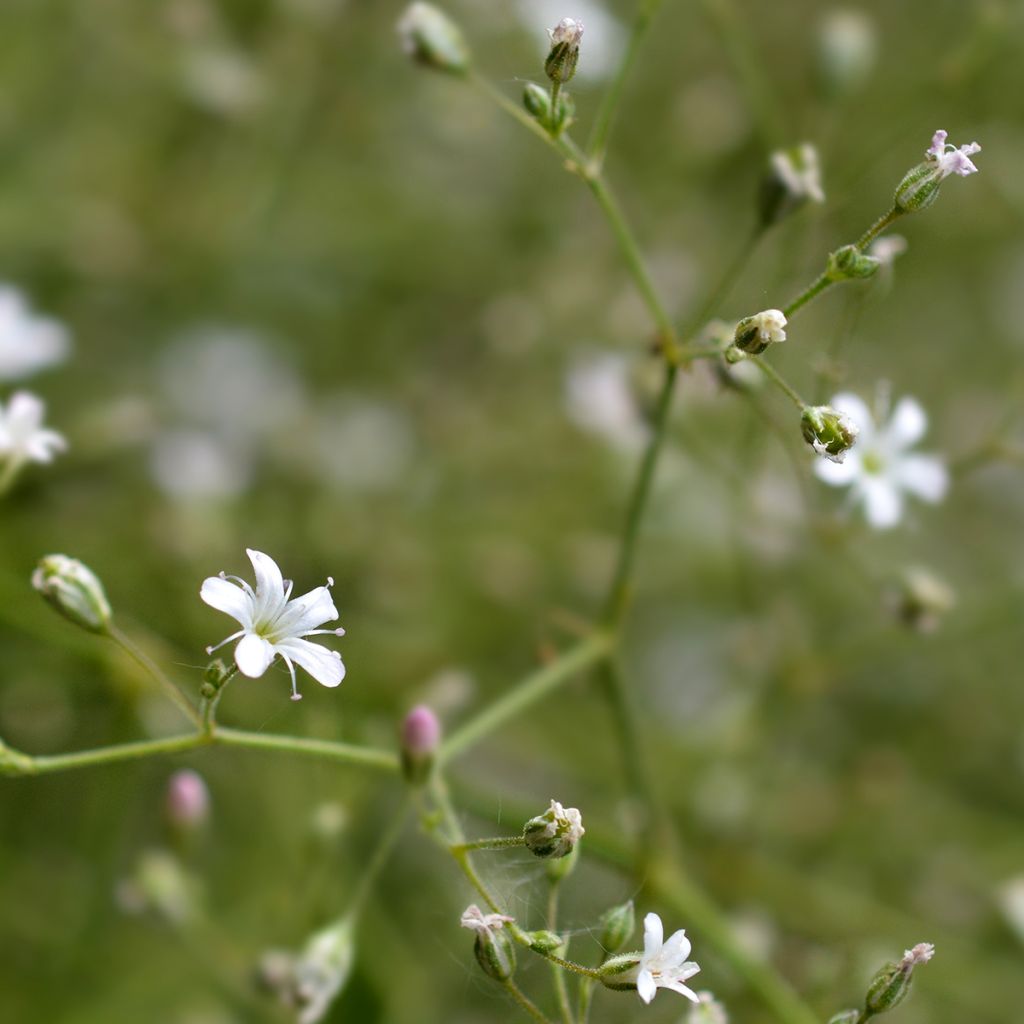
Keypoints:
pixel 873 463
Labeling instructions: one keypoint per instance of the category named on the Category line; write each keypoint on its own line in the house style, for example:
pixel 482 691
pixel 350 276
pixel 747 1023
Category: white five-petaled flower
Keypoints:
pixel 950 160
pixel 880 468
pixel 23 438
pixel 28 343
pixel 476 920
pixel 272 624
pixel 664 964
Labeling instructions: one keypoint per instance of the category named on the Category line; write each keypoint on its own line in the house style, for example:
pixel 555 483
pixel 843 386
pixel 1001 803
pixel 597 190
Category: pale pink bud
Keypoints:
pixel 187 802
pixel 421 736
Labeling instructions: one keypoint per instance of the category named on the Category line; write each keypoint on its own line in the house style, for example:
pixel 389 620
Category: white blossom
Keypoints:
pixel 881 468
pixel 664 964
pixel 274 625
pixel 568 30
pixel 950 160
pixel 28 343
pixel 476 920
pixel 23 438
pixel 799 172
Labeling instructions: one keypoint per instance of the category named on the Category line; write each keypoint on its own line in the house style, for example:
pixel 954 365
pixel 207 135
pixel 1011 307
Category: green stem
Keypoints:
pixel 9 474
pixel 814 289
pixel 497 843
pixel 516 112
pixel 618 594
pixel 557 977
pixel 329 750
pixel 780 381
pixel 529 690
pixel 378 859
pixel 556 89
pixel 171 688
pixel 45 764
pixel 598 142
pixel 208 706
pixel 524 1002
pixel 585 998
pixel 878 227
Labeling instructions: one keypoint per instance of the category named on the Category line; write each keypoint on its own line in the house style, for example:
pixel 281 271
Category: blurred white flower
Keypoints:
pixel 23 438
pixel 28 343
pixel 880 468
pixel 274 625
pixel 189 464
pixel 708 1010
pixel 222 79
pixel 886 248
pixel 664 964
pixel 950 160
pixel 600 400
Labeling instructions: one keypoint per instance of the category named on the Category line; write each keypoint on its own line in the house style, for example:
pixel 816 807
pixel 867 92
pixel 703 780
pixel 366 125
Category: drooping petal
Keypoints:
pixel 226 597
pixel 654 934
pixel 838 474
pixel 907 425
pixel 645 986
pixel 857 409
pixel 923 475
pixel 883 502
pixel 306 613
pixel 683 990
pixel 253 655
pixel 269 586
pixel 325 666
pixel 938 146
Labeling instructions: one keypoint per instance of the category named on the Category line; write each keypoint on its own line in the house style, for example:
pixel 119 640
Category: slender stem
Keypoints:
pixel 814 289
pixel 598 143
pixel 329 750
pixel 556 89
pixel 45 764
pixel 529 690
pixel 585 998
pixel 497 843
pixel 516 112
pixel 378 859
pixel 523 1000
pixel 9 474
pixel 171 688
pixel 778 379
pixel 568 965
pixel 208 706
pixel 557 977
pixel 878 227
pixel 618 594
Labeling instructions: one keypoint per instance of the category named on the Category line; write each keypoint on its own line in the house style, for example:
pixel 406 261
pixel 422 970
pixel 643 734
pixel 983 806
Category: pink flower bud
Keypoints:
pixel 187 802
pixel 421 736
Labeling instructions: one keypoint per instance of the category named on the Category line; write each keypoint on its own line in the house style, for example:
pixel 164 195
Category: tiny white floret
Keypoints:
pixel 274 625
pixel 28 343
pixel 23 438
pixel 664 964
pixel 476 920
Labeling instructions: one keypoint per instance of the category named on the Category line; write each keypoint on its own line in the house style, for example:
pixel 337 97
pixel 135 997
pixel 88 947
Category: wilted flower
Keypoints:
pixel 493 948
pixel 555 832
pixel 891 985
pixel 272 624
pixel 560 64
pixel 664 964
pixel 920 185
pixel 950 160
pixel 23 438
pixel 881 468
pixel 28 343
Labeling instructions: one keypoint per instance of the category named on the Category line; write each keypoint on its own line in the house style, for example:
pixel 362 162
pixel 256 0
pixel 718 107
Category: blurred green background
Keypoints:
pixel 326 305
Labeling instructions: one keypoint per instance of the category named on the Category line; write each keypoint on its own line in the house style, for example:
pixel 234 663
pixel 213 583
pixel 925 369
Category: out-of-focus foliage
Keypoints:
pixel 325 305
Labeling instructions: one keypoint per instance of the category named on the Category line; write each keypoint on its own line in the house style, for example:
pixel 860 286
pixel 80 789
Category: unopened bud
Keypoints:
pixel 792 180
pixel 431 38
pixel 494 948
pixel 847 49
pixel 755 333
pixel 187 801
pixel 891 985
pixel 620 972
pixel 617 926
pixel 561 61
pixel 537 101
pixel 545 942
pixel 829 432
pixel 421 737
pixel 74 590
pixel 849 263
pixel 555 832
pixel 923 600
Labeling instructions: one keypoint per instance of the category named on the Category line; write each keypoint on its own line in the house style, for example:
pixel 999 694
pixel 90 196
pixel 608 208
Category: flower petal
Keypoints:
pixel 269 586
pixel 645 986
pixel 838 474
pixel 654 934
pixel 253 655
pixel 923 475
pixel 306 612
pixel 678 986
pixel 883 502
pixel 676 949
pixel 907 425
pixel 325 666
pixel 857 409
pixel 226 597
pixel 26 409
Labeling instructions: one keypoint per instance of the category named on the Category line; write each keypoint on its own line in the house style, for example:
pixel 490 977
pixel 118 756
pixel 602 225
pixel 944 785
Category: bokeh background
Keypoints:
pixel 337 308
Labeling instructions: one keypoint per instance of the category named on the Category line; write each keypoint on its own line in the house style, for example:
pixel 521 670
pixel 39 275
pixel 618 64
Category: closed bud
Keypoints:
pixel 561 61
pixel 891 985
pixel 431 38
pixel 545 942
pixel 214 676
pixel 755 333
pixel 537 101
pixel 845 1017
pixel 617 926
pixel 620 972
pixel 187 801
pixel 555 832
pixel 421 737
pixel 829 432
pixel 792 179
pixel 74 590
pixel 849 263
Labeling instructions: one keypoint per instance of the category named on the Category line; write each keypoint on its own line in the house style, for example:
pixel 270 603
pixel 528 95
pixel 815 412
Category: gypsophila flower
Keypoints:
pixel 28 343
pixel 755 333
pixel 476 920
pixel 568 30
pixel 919 954
pixel 664 964
pixel 951 160
pixel 23 438
pixel 886 248
pixel 792 179
pixel 881 468
pixel 274 625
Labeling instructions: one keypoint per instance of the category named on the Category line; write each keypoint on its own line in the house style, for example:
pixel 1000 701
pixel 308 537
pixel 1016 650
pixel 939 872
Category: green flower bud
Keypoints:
pixel 918 189
pixel 537 101
pixel 555 832
pixel 734 355
pixel 431 38
pixel 561 61
pixel 829 432
pixel 496 954
pixel 74 590
pixel 545 942
pixel 891 985
pixel 755 333
pixel 619 972
pixel 850 263
pixel 617 926
pixel 792 180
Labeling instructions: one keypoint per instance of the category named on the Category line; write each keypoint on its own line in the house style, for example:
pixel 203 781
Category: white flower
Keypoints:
pixel 880 468
pixel 28 343
pixel 799 172
pixel 755 333
pixel 887 248
pixel 272 624
pixel 664 964
pixel 555 832
pixel 600 400
pixel 568 30
pixel 23 438
pixel 950 160
pixel 476 920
